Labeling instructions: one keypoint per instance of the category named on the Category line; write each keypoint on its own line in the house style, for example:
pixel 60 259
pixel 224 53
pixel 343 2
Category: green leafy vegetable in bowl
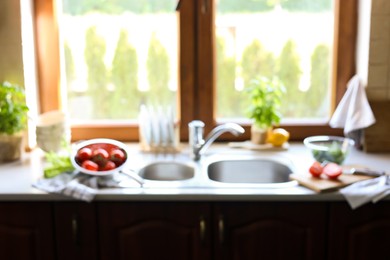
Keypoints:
pixel 334 154
pixel 329 148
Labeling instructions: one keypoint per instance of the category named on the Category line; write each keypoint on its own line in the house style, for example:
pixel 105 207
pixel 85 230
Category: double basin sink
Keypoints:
pixel 219 171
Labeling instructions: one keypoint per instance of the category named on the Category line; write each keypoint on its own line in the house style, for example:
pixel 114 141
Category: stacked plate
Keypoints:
pixel 157 129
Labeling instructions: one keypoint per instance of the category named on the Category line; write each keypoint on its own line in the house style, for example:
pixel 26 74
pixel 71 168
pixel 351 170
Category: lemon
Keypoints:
pixel 278 137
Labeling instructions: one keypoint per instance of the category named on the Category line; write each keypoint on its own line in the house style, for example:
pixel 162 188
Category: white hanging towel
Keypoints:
pixel 353 112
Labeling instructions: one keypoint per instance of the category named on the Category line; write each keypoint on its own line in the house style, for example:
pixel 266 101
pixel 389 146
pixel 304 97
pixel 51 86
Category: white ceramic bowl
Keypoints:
pixel 51 122
pixel 99 143
pixel 49 144
pixel 51 130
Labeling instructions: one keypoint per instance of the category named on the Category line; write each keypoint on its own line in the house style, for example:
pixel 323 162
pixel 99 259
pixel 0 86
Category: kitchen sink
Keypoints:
pixel 249 171
pixel 219 171
pixel 167 171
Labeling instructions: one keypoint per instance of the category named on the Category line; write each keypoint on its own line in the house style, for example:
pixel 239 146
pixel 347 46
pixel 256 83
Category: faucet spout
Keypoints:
pixel 200 145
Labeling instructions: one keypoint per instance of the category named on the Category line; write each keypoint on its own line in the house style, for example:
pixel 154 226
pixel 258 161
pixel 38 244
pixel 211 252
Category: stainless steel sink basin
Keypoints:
pixel 219 171
pixel 167 171
pixel 249 171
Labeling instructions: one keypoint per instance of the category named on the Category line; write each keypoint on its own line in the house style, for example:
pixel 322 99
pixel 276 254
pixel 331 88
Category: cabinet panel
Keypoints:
pixel 154 230
pixel 270 230
pixel 76 230
pixel 363 233
pixel 26 231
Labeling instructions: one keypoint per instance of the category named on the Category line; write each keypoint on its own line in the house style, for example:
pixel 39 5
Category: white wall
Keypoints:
pixel 378 81
pixel 11 60
pixel 363 40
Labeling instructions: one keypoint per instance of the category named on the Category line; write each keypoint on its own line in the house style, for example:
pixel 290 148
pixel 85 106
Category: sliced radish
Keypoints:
pixel 332 170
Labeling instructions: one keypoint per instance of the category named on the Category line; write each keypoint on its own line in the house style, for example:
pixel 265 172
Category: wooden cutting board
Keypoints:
pixel 323 184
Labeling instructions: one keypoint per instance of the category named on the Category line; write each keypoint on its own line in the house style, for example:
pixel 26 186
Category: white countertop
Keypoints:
pixel 16 179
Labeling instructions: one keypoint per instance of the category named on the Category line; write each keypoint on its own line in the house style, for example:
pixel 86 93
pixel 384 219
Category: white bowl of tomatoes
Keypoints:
pixel 99 157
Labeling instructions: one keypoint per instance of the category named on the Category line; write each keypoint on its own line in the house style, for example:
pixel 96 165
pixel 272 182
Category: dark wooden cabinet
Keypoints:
pixel 76 230
pixel 154 231
pixel 270 230
pixel 193 230
pixel 212 230
pixel 26 231
pixel 45 230
pixel 363 233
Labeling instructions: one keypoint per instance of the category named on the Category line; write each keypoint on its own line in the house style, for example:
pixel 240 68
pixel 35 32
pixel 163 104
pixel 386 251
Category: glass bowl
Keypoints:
pixel 329 148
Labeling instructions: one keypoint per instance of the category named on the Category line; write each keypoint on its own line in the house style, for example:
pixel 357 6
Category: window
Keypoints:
pixel 117 56
pixel 290 40
pixel 195 80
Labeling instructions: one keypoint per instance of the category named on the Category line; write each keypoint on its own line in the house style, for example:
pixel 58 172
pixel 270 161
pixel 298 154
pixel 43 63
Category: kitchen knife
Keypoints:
pixel 364 171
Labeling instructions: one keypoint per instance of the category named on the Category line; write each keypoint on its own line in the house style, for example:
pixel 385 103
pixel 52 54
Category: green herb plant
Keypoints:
pixel 265 96
pixel 13 108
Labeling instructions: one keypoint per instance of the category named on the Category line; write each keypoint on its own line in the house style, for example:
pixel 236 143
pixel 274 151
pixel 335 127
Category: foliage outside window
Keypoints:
pixel 127 57
pixel 193 51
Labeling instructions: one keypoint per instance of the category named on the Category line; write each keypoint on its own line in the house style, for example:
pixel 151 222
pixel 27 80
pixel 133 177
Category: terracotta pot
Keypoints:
pixel 259 135
pixel 10 147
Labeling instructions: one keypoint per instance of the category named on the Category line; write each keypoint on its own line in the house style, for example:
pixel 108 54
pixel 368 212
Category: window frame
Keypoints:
pixel 197 78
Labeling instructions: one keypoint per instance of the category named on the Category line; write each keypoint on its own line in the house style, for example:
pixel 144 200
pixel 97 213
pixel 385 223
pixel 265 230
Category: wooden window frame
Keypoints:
pixel 196 69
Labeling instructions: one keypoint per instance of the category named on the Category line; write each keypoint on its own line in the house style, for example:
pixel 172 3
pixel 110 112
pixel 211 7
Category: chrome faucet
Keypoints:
pixel 198 145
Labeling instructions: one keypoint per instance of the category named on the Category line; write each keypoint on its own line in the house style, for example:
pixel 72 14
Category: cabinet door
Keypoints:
pixel 270 230
pixel 363 233
pixel 149 230
pixel 26 231
pixel 76 230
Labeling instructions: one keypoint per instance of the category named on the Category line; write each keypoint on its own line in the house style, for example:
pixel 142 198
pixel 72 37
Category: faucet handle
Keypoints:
pixel 196 129
pixel 196 124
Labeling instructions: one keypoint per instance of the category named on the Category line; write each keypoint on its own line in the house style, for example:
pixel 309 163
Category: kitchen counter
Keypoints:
pixel 16 178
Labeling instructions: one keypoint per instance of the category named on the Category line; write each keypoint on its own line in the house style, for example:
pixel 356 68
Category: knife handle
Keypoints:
pixel 367 172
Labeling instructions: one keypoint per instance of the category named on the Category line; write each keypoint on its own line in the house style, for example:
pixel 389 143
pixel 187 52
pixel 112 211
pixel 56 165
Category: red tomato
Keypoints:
pixel 83 154
pixel 117 156
pixel 110 165
pixel 316 169
pixel 332 170
pixel 100 156
pixel 90 165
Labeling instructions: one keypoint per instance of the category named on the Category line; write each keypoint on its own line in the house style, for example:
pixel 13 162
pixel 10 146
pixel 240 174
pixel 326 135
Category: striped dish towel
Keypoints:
pixel 81 186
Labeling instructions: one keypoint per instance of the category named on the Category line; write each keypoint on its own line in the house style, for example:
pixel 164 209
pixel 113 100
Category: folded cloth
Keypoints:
pixel 362 192
pixel 353 112
pixel 81 186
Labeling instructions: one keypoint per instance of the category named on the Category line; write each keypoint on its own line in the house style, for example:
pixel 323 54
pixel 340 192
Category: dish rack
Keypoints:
pixel 157 130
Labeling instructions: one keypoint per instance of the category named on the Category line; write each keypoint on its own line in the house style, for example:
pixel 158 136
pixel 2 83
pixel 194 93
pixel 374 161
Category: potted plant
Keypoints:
pixel 265 98
pixel 13 120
